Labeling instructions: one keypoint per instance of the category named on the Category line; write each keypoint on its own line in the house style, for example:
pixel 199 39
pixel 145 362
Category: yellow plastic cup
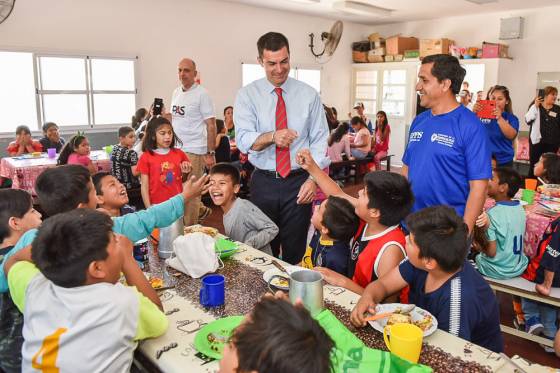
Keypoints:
pixel 405 341
pixel 531 184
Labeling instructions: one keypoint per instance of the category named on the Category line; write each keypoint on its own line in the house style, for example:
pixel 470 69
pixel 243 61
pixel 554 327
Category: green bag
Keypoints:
pixel 351 354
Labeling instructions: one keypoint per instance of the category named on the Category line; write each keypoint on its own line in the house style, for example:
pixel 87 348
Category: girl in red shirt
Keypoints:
pixel 161 165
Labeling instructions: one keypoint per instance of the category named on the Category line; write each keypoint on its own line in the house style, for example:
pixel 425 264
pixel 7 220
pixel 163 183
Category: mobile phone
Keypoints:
pixel 158 106
pixel 487 110
pixel 540 93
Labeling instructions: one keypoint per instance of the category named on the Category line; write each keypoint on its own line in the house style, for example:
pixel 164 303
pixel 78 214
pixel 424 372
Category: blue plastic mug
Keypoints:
pixel 212 292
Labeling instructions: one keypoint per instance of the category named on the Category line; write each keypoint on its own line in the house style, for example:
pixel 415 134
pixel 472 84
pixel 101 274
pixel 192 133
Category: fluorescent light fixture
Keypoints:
pixel 361 9
pixel 306 1
pixel 482 2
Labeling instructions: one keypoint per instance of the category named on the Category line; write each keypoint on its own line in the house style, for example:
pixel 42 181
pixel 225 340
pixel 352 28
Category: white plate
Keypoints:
pixel 275 271
pixel 417 314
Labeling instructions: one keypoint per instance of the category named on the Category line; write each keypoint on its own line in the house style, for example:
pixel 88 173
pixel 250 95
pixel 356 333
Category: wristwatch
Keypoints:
pixel 212 152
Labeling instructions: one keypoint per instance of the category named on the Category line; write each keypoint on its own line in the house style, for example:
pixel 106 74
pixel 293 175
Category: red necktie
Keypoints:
pixel 283 166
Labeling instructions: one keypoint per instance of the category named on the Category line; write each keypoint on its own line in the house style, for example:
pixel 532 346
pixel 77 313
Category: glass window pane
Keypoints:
pixel 311 77
pixel 475 77
pixel 63 73
pixel 112 75
pixel 113 108
pixel 394 77
pixel 251 72
pixel 366 77
pixel 17 91
pixel 369 107
pixel 394 93
pixel 393 108
pixel 292 73
pixel 366 92
pixel 66 110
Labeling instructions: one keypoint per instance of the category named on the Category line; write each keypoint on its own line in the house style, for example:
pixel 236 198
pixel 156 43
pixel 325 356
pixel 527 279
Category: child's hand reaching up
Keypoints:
pixel 193 187
pixel 186 167
pixel 305 160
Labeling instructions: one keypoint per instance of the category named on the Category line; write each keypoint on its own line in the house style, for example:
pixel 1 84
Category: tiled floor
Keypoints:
pixel 513 345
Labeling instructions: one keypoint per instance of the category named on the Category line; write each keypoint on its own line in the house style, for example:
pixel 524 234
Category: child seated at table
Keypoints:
pixel 78 316
pixel 51 138
pixel 548 168
pixel 24 143
pixel 111 195
pixel 378 245
pixel 76 151
pixel 124 159
pixel 223 149
pixel 243 221
pixel 17 216
pixel 70 187
pixel 503 257
pixel 278 337
pixel 335 224
pixel 441 281
pixel 543 269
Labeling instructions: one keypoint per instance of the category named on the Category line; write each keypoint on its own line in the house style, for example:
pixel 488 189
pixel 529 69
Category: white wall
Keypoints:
pixel 538 51
pixel 217 35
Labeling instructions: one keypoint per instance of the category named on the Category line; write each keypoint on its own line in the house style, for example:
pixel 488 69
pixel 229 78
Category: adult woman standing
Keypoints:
pixel 501 129
pixel 228 120
pixel 544 118
pixel 381 138
pixel 362 141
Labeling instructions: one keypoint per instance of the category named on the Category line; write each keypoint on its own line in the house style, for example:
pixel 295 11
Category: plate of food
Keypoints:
pixel 279 279
pixel 212 232
pixel 211 339
pixel 418 316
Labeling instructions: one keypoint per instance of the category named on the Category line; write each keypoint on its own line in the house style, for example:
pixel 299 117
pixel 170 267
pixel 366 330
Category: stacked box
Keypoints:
pixel 435 46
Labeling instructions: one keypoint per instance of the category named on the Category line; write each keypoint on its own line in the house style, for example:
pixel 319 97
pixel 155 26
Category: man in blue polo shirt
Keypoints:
pixel 447 160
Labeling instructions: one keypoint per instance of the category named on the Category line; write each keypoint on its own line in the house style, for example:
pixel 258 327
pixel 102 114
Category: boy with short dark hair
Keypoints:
pixel 503 258
pixel 111 194
pixel 378 245
pixel 125 159
pixel 68 187
pixel 278 337
pixel 335 224
pixel 441 281
pixel 77 263
pixel 243 221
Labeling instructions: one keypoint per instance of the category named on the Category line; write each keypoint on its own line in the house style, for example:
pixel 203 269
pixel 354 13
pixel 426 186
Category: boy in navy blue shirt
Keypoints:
pixel 441 281
pixel 447 160
pixel 335 224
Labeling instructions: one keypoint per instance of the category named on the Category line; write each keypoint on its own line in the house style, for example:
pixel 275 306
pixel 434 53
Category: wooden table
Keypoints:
pixel 183 359
pixel 24 170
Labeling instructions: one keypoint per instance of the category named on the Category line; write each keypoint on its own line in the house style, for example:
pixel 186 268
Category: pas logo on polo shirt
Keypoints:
pixel 443 139
pixel 416 136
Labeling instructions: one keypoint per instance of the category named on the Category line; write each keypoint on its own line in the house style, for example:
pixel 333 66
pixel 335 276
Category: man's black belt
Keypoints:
pixel 296 172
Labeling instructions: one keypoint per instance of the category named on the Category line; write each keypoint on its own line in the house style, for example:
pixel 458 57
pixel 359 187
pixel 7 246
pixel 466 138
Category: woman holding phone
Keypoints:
pixel 502 128
pixel 543 118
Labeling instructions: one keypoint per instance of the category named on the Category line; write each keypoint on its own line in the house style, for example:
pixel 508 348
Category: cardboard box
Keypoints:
pixel 494 50
pixel 411 53
pixel 377 52
pixel 375 58
pixel 358 56
pixel 398 44
pixel 434 46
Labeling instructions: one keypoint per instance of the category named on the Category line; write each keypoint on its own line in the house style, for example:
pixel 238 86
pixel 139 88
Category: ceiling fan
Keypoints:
pixel 330 41
pixel 6 8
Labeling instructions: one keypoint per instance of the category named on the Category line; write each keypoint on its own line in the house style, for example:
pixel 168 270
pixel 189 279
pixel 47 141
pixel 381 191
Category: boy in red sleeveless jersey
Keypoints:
pixel 379 243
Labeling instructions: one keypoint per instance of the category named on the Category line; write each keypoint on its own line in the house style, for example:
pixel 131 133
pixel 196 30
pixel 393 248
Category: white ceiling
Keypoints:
pixel 402 10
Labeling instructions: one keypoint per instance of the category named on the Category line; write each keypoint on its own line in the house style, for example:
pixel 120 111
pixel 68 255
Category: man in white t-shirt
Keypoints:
pixel 194 122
